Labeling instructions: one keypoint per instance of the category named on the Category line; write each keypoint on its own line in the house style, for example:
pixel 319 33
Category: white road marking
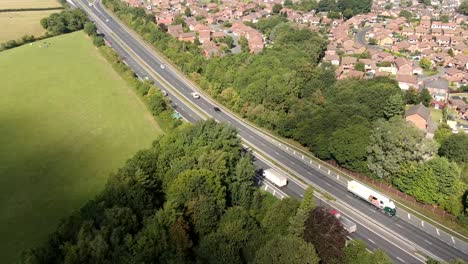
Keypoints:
pixel 427 241
pixel 400 259
pixel 370 240
pixel 328 184
pixel 437 230
pixel 276 152
pixel 398 225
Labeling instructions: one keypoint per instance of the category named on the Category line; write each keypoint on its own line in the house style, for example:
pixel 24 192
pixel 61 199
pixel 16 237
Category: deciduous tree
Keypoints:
pixel 326 233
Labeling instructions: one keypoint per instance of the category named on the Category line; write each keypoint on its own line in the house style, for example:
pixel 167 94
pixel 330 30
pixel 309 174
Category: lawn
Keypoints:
pixel 17 24
pixel 436 115
pixel 67 121
pixel 17 4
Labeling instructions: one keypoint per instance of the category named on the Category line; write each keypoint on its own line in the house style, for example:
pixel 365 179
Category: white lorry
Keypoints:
pixel 347 224
pixel 275 177
pixel 383 203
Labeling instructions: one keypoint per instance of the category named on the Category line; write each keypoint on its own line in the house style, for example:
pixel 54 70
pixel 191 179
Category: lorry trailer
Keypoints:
pixel 347 224
pixel 381 202
pixel 275 177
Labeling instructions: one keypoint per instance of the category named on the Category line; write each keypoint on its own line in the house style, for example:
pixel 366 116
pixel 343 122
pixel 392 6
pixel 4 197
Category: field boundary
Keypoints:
pixel 31 9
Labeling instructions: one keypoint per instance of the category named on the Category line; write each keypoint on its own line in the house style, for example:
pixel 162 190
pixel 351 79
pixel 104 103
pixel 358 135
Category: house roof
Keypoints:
pixel 419 109
pixel 410 79
pixel 348 60
pixel 439 83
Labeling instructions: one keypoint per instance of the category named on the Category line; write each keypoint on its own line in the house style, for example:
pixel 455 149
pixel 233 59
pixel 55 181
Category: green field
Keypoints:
pixel 67 121
pixel 17 24
pixel 17 4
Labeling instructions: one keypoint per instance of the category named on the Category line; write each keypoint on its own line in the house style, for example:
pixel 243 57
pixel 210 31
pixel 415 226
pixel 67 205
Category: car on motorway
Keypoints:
pixel 195 95
pixel 216 109
pixel 162 66
pixel 90 4
pixel 107 20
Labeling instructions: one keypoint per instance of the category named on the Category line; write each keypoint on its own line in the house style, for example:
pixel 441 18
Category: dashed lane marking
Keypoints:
pixel 427 241
pixel 400 259
pixel 370 240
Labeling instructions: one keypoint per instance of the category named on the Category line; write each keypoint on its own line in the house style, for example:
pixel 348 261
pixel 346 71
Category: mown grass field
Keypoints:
pixel 67 121
pixel 15 25
pixel 16 4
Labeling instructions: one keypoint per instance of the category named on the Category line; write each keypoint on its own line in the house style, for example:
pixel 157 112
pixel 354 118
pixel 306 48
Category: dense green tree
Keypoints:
pixel 442 133
pixel 406 14
pixel 356 253
pixel 68 20
pixel 425 63
pixel 277 215
pixel 296 223
pixel 387 152
pixel 357 6
pixel 348 146
pixel 444 18
pixel 287 250
pixel 326 233
pixel 90 28
pixel 242 186
pixel 412 96
pixel 326 5
pixel 425 97
pixel 360 67
pixel 277 8
pixel 455 148
pixel 394 106
pixel 98 41
pixel 348 13
pixel 463 8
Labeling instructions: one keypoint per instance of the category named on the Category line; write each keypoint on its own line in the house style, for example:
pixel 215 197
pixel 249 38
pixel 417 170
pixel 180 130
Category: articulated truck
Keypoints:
pixel 275 177
pixel 381 202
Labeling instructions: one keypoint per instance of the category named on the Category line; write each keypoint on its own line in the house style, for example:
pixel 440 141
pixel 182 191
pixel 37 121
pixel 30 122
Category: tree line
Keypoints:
pixel 191 198
pixel 68 20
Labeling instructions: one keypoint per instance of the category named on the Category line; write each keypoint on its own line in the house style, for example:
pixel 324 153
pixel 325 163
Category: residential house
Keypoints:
pixel 348 62
pixel 188 36
pixel 333 59
pixel 407 81
pixel 420 116
pixel 175 30
pixel 403 66
pixel 438 88
pixel 460 106
pixel 455 76
pixel 369 65
pixel 210 49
